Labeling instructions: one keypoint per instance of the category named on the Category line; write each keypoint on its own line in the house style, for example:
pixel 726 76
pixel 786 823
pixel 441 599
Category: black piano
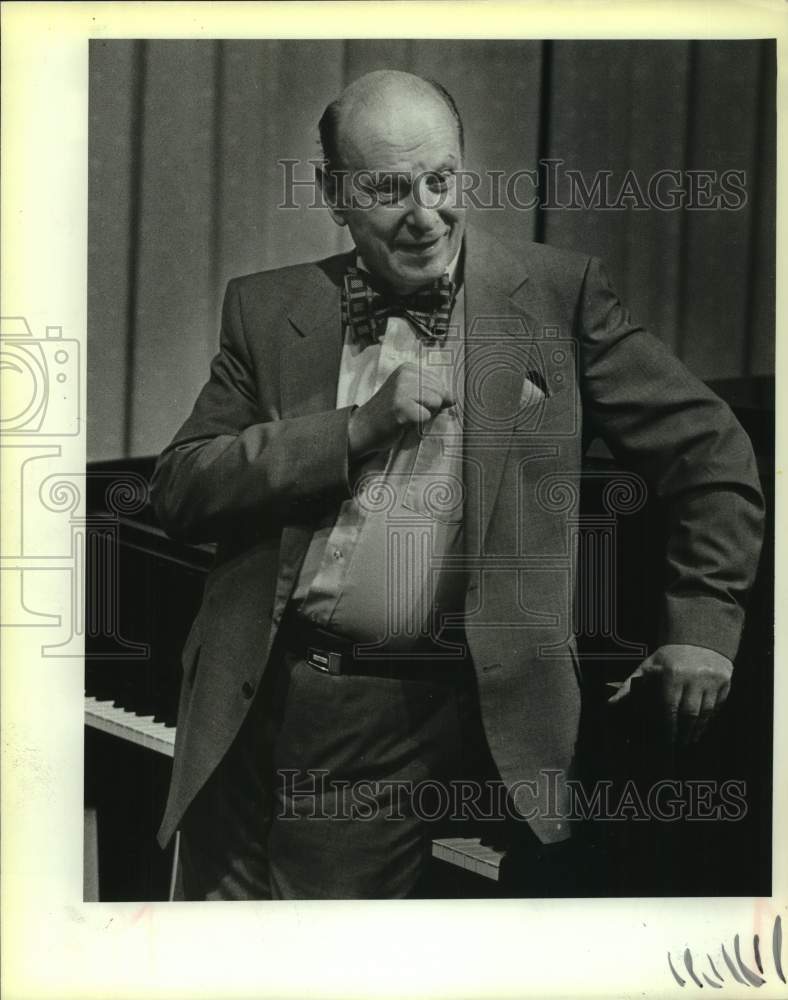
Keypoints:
pixel 143 591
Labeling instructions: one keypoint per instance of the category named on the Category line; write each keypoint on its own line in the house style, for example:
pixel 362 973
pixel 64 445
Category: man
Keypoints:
pixel 377 453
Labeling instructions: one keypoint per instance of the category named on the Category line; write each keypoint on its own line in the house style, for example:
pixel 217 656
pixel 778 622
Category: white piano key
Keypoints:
pixel 139 730
pixel 470 854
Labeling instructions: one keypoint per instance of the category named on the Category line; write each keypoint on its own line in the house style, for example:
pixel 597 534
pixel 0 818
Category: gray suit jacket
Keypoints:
pixel 264 453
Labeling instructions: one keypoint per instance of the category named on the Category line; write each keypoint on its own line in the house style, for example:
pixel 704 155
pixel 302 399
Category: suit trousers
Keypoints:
pixel 336 784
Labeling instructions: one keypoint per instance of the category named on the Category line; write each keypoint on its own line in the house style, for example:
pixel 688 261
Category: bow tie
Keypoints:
pixel 366 306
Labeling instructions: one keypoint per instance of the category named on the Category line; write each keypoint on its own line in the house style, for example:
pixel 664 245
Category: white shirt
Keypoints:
pixel 373 572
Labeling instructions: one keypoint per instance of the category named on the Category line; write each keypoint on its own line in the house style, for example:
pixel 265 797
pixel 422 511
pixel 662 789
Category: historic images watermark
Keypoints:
pixel 309 794
pixel 551 185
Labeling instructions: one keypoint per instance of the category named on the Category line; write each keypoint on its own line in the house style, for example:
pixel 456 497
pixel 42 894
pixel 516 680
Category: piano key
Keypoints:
pixel 107 717
pixel 470 854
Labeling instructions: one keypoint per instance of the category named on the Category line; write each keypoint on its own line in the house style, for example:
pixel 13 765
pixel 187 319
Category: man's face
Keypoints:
pixel 404 155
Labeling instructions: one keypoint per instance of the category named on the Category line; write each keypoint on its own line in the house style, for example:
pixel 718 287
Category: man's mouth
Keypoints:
pixel 422 246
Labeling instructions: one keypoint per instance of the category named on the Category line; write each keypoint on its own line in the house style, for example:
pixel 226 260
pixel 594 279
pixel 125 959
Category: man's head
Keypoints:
pixel 399 138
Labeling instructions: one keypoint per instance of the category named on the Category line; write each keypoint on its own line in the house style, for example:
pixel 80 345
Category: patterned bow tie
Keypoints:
pixel 366 306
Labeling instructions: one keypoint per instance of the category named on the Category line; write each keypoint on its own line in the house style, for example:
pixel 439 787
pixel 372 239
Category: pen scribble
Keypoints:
pixel 739 970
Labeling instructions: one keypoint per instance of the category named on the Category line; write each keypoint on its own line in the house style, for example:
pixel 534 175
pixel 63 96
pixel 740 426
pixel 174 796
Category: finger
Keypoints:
pixel 432 382
pixel 707 705
pixel 622 691
pixel 415 413
pixel 671 699
pixel 722 696
pixel 449 396
pixel 689 712
pixel 424 413
pixel 625 689
pixel 431 398
pixel 422 374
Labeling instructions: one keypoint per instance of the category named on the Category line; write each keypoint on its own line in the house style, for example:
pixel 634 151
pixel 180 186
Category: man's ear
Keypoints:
pixel 331 189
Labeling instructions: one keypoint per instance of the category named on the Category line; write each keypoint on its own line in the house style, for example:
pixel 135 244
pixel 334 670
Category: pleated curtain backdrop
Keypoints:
pixel 185 184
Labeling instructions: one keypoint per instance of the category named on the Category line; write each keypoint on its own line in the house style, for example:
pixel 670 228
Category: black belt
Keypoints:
pixel 334 654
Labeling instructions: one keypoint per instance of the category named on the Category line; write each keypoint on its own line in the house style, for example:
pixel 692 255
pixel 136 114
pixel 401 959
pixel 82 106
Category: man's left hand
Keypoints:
pixel 694 683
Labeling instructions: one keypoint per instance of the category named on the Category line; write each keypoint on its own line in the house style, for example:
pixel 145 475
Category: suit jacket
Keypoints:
pixel 264 452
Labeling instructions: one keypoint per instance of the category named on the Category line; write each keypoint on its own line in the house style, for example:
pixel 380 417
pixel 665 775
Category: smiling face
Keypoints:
pixel 399 137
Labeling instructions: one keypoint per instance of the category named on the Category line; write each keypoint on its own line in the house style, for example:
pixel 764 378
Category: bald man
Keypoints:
pixel 385 640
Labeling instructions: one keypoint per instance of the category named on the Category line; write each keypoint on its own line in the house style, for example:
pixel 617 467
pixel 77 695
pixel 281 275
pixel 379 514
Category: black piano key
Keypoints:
pixel 101 682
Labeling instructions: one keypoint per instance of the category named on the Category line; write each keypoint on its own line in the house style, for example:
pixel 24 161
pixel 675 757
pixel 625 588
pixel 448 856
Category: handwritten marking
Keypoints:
pixel 743 974
pixel 748 974
pixel 688 964
pixel 714 968
pixel 777 947
pixel 756 950
pixel 732 967
pixel 676 976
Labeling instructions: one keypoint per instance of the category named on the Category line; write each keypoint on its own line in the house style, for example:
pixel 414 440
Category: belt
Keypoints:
pixel 331 653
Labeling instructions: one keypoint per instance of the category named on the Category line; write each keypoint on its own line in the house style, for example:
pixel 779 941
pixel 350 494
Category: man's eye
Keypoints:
pixel 438 182
pixel 392 188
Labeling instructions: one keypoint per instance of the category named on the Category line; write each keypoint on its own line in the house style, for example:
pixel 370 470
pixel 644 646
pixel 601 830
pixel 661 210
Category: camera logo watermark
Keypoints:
pixel 48 535
pixel 40 381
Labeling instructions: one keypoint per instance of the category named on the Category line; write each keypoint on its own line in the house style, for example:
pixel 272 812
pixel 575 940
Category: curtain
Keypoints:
pixel 185 188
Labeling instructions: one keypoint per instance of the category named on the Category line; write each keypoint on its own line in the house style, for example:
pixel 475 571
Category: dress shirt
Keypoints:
pixel 372 571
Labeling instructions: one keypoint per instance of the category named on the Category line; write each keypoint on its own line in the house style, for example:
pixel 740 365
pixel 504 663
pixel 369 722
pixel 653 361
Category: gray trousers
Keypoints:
pixel 335 785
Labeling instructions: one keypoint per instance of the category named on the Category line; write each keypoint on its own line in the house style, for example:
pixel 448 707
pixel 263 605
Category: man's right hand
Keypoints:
pixel 410 395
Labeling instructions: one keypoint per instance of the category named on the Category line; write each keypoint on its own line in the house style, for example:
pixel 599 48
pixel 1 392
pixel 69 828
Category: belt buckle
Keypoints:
pixel 324 660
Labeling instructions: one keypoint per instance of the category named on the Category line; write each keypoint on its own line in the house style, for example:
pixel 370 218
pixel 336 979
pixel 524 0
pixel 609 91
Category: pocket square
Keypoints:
pixel 532 392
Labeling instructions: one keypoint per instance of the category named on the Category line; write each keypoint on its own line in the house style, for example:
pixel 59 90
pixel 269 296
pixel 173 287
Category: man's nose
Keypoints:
pixel 423 219
pixel 423 214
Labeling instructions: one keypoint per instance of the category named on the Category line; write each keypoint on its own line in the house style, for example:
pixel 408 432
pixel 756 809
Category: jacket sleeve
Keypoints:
pixel 660 420
pixel 226 466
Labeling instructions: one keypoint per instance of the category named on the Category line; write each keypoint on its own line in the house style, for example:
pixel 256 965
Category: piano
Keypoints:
pixel 142 593
pixel 144 589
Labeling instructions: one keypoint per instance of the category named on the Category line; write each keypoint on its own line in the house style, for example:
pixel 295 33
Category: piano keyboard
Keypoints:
pixel 470 854
pixel 142 730
pixel 145 731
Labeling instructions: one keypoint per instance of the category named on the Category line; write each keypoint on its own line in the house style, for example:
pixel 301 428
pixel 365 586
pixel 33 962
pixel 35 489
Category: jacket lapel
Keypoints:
pixel 495 324
pixel 310 355
pixel 311 346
